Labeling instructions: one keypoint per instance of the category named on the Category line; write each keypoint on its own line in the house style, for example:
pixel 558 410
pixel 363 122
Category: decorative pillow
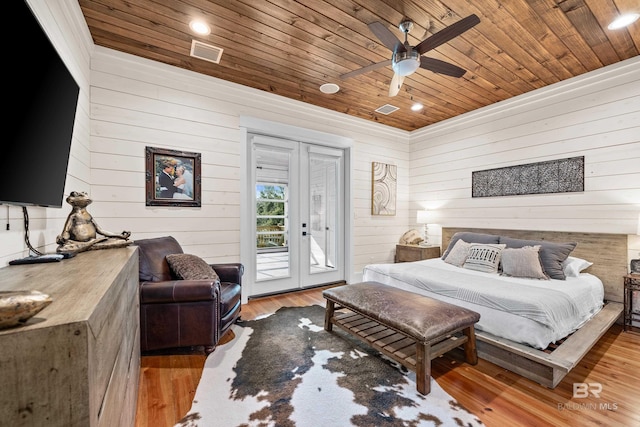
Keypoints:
pixel 190 267
pixel 458 255
pixel 484 257
pixel 523 262
pixel 573 266
pixel 551 254
pixel 471 237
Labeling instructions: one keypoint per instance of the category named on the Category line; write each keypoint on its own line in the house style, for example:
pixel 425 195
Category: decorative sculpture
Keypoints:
pixel 411 237
pixel 82 233
pixel 16 307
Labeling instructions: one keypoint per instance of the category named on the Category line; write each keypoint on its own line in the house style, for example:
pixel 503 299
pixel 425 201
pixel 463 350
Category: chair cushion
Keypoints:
pixel 190 267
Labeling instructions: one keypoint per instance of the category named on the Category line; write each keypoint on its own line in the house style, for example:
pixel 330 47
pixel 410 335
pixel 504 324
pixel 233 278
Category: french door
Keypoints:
pixel 298 215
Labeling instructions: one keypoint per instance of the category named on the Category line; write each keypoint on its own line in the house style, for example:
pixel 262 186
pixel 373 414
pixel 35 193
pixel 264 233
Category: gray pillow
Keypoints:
pixel 471 237
pixel 483 257
pixel 458 255
pixel 190 267
pixel 551 254
pixel 523 262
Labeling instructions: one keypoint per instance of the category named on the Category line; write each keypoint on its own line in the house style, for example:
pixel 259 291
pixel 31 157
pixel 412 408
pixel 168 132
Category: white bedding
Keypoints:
pixel 528 311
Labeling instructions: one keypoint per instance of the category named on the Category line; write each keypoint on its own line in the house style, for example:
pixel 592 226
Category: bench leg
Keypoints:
pixel 470 350
pixel 423 368
pixel 328 314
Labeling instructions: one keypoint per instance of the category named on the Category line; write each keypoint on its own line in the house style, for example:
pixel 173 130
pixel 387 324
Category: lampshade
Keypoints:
pixel 424 217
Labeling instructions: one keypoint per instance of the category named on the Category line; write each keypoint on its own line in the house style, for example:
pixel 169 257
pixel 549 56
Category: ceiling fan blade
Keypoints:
pixel 447 34
pixel 365 69
pixel 441 67
pixel 396 83
pixel 386 37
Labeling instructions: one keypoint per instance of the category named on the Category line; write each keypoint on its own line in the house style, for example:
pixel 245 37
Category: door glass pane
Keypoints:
pixel 323 209
pixel 271 208
pixel 270 215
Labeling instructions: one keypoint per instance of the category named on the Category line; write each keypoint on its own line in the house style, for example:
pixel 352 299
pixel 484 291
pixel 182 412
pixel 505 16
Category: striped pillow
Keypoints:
pixel 484 257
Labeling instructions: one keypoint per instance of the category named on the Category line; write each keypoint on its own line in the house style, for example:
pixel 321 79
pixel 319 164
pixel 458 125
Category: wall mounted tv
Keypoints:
pixel 39 117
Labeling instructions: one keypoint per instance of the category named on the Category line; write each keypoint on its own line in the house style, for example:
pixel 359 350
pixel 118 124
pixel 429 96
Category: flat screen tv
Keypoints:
pixel 39 117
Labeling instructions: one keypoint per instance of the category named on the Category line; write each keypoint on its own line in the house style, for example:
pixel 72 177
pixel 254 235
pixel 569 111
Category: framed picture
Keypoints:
pixel 383 189
pixel 172 177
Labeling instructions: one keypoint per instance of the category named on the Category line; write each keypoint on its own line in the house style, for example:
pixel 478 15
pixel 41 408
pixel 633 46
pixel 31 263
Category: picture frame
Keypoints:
pixel 384 178
pixel 172 178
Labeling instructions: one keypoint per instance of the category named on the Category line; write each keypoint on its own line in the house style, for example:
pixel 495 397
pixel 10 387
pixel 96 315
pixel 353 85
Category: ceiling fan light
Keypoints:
pixel 405 63
pixel 406 67
pixel 623 21
pixel 417 107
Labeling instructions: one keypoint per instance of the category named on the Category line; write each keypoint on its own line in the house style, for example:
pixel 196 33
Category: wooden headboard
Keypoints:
pixel 607 252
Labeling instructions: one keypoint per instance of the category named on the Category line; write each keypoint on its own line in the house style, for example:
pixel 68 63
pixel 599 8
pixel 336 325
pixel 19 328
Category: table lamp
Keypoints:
pixel 424 217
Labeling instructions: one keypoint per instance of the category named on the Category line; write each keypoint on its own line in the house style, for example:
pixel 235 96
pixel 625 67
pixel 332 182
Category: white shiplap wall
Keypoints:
pixel 596 115
pixel 137 103
pixel 63 23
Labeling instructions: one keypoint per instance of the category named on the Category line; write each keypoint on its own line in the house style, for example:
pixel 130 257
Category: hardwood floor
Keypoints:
pixel 498 397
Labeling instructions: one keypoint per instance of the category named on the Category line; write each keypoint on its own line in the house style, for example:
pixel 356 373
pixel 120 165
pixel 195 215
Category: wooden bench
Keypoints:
pixel 409 328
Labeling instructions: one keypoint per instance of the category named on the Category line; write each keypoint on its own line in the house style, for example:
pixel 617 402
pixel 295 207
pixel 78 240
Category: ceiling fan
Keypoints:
pixel 407 59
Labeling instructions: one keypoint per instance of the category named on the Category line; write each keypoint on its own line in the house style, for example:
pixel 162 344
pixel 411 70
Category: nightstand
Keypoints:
pixel 631 284
pixel 408 253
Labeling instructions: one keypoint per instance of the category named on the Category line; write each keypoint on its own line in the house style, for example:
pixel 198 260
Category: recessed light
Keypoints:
pixel 329 88
pixel 417 106
pixel 199 27
pixel 623 21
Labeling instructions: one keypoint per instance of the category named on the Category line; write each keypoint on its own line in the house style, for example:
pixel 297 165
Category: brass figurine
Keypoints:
pixel 82 233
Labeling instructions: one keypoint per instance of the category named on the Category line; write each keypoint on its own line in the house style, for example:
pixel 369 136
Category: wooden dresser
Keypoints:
pixel 408 253
pixel 77 362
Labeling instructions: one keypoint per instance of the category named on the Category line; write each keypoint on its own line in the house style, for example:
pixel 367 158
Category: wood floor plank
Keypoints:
pixel 498 397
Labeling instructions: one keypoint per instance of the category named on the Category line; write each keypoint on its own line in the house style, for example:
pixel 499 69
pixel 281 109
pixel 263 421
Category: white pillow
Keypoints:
pixel 484 257
pixel 458 254
pixel 572 266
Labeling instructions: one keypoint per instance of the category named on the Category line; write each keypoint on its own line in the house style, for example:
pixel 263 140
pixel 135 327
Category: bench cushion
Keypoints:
pixel 417 316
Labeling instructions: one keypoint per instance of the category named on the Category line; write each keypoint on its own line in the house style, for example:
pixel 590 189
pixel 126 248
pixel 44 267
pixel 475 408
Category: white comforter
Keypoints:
pixel 532 312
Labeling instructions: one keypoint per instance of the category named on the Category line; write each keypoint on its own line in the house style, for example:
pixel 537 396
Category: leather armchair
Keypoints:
pixel 184 313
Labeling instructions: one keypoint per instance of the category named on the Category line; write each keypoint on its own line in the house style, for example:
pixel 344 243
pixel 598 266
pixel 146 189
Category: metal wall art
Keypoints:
pixel 553 176
pixel 383 191
pixel 172 178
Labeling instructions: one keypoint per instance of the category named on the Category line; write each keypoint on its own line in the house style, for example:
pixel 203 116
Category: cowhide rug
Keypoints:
pixel 286 370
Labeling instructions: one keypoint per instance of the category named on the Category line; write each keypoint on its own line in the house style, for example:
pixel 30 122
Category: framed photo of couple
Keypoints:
pixel 172 178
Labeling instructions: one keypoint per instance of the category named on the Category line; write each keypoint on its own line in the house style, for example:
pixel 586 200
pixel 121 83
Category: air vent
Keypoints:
pixel 387 109
pixel 206 51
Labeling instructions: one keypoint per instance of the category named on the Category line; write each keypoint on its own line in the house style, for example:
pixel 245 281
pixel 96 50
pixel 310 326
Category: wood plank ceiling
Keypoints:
pixel 290 48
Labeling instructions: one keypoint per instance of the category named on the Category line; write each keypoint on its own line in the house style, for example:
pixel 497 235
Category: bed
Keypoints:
pixel 521 318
